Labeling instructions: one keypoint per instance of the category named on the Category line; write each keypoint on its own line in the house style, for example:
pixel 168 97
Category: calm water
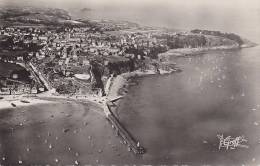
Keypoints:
pixel 177 117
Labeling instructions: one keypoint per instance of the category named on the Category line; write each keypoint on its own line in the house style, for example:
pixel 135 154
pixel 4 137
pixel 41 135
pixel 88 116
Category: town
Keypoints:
pixel 138 82
pixel 79 59
pixel 74 60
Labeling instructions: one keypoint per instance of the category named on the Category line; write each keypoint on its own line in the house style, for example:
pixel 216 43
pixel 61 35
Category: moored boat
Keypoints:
pixel 14 105
pixel 25 101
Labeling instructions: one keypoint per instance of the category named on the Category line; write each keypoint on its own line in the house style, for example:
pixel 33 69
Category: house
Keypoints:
pixel 34 90
pixel 27 88
pixel 43 38
pixel 60 62
pixel 10 85
pixel 5 91
pixel 85 62
pixel 19 59
pixel 41 89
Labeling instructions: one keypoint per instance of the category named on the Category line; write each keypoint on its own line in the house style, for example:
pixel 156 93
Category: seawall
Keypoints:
pixel 132 144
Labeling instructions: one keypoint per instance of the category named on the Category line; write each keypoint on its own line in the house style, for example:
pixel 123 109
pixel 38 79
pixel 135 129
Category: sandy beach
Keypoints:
pixel 19 101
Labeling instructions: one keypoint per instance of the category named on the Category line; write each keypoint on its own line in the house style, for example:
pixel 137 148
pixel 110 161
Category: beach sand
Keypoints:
pixel 7 102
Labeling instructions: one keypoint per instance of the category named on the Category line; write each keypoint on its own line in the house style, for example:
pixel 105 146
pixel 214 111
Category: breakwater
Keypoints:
pixel 132 144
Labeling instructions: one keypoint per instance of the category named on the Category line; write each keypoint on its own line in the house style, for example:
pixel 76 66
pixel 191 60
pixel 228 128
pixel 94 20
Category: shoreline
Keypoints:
pixel 118 87
pixel 45 98
pixel 120 81
pixel 182 52
pixel 113 86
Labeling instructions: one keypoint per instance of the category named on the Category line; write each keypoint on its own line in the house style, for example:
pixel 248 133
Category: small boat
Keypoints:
pixel 25 101
pixel 13 104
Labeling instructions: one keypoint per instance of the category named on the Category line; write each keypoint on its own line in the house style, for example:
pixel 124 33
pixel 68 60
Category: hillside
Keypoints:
pixel 51 16
pixel 227 36
pixel 58 17
pixel 33 15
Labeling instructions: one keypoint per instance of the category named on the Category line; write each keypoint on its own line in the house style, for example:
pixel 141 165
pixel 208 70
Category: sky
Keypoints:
pixel 238 16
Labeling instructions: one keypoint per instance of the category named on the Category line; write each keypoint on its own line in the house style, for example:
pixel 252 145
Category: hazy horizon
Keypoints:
pixel 238 16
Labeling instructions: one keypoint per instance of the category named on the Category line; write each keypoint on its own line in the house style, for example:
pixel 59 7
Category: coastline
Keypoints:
pixel 114 86
pixel 182 52
pixel 120 82
pixel 45 98
pixel 118 86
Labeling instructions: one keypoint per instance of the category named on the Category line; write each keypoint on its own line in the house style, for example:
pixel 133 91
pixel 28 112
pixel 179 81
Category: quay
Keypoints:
pixel 132 144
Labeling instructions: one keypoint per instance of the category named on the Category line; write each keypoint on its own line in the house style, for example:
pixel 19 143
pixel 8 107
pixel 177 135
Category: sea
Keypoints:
pixel 207 114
